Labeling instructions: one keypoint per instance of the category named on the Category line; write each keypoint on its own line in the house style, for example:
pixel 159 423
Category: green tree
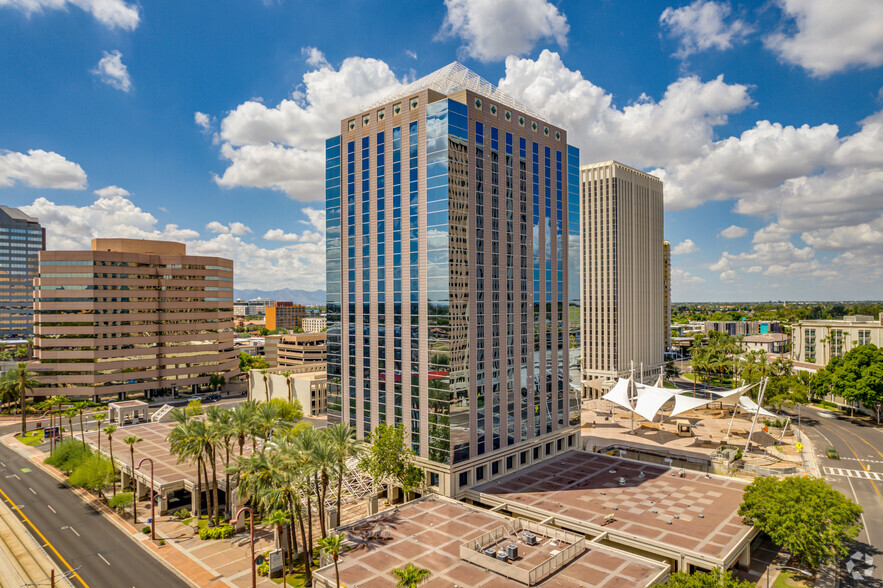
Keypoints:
pixel 331 546
pixel 16 384
pixel 131 440
pixel 858 376
pixel 410 576
pixel 193 408
pixel 216 381
pixel 804 515
pixel 716 578
pixel 109 430
pixel 288 411
pixel 94 473
pixel 387 457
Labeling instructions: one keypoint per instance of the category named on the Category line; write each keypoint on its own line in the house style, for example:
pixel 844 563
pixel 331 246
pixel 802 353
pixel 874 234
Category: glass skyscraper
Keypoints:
pixel 21 240
pixel 452 243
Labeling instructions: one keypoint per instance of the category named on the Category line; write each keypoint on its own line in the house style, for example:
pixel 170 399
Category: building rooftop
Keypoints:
pixel 451 78
pixel 766 338
pixel 16 214
pixel 438 534
pixel 692 514
pixel 145 246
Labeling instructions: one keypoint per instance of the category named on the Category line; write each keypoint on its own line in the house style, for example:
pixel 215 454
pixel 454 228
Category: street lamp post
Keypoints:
pixel 804 572
pixel 254 575
pixel 152 506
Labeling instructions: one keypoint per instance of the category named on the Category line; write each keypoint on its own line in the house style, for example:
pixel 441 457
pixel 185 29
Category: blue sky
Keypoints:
pixel 204 121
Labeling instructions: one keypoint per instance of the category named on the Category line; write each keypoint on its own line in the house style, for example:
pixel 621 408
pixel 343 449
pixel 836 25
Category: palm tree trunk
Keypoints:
pixel 217 514
pixel 336 571
pixel 198 489
pixel 134 486
pixel 308 550
pixel 339 488
pixel 82 431
pixel 208 493
pixel 113 470
pixel 227 507
pixel 319 506
pixel 292 528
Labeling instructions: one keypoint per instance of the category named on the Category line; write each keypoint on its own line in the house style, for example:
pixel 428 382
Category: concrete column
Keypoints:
pixel 125 479
pixel 372 505
pixel 163 506
pixel 141 490
pixel 745 557
pixel 394 494
pixel 331 519
pixel 194 500
pixel 240 522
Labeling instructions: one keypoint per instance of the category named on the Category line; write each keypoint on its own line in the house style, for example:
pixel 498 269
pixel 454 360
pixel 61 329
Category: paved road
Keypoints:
pixel 74 534
pixel 858 474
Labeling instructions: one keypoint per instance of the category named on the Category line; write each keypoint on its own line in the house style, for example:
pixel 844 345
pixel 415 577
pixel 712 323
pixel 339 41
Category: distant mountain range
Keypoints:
pixel 306 297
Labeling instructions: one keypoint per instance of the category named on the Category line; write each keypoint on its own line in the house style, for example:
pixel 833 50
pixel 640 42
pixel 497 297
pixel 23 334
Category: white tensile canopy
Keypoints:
pixel 646 401
pixel 751 406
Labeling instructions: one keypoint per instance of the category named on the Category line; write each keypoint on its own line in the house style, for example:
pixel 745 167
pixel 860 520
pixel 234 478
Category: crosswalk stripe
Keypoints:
pixel 863 474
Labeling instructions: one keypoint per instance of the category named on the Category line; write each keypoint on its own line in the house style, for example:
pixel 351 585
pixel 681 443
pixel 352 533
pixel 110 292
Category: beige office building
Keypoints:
pixel 132 316
pixel 295 350
pixel 817 341
pixel 306 383
pixel 622 267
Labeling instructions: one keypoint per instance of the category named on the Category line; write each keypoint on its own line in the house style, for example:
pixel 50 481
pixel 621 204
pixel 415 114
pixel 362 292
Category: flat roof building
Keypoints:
pixel 451 213
pixel 131 316
pixel 314 324
pixel 21 240
pixel 623 283
pixel 817 341
pixel 306 384
pixel 295 350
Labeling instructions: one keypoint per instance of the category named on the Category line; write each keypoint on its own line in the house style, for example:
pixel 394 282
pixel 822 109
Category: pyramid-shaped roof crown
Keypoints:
pixel 451 78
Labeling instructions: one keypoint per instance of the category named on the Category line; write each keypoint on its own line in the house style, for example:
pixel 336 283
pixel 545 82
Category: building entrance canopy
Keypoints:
pixel 647 401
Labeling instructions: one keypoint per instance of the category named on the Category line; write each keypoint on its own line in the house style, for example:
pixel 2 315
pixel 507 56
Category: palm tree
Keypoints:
pixel 277 518
pixel 109 430
pixel 99 417
pixel 130 441
pixel 81 406
pixel 17 383
pixel 266 384
pixel 343 439
pixel 267 418
pixel 410 576
pixel 69 414
pixel 288 382
pixel 222 431
pixel 323 460
pixel 331 546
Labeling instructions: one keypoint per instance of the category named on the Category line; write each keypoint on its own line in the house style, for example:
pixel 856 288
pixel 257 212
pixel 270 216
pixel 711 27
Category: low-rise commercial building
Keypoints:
pixel 284 315
pixel 314 324
pixel 817 341
pixel 736 328
pixel 132 316
pixel 306 384
pixel 769 342
pixel 296 350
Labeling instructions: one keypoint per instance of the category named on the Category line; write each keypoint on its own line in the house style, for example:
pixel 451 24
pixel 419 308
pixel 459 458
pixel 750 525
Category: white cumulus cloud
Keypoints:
pixel 108 191
pixel 492 30
pixel 111 13
pixel 112 71
pixel 701 26
pixel 283 147
pixel 685 247
pixel 733 232
pixel 828 37
pixel 681 277
pixel 299 265
pixel 40 169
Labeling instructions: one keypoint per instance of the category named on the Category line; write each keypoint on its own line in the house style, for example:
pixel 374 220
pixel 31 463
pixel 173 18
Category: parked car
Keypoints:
pixel 214 397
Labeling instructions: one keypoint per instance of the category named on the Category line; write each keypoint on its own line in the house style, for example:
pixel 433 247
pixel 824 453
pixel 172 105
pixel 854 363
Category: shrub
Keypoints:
pixel 775 424
pixel 146 530
pixel 182 514
pixel 222 532
pixel 121 501
pixel 162 542
pixel 68 455
pixel 264 569
pixel 93 473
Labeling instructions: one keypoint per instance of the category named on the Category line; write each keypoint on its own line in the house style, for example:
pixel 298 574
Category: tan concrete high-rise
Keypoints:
pixel 622 269
pixel 132 316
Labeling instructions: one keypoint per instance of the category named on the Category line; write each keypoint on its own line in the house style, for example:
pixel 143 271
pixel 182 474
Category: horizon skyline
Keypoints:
pixel 765 125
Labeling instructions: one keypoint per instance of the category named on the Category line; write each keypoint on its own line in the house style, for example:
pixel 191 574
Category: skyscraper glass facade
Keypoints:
pixel 21 240
pixel 460 331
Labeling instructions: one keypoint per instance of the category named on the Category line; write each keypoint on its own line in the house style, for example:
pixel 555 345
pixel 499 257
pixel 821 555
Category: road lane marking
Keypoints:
pixel 43 537
pixel 74 530
pixel 873 485
pixel 104 560
pixel 52 509
pixel 861 514
pixel 32 491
